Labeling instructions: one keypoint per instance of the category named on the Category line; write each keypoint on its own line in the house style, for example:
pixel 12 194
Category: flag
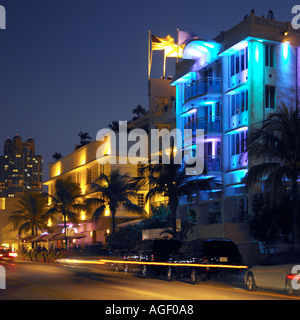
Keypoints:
pixel 160 43
pixel 168 45
pixel 184 37
pixel 174 51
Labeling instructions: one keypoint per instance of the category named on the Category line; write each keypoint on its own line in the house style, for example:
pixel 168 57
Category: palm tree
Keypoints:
pixel 276 143
pixel 31 214
pixel 139 111
pixel 56 156
pixel 84 139
pixel 114 191
pixel 171 181
pixel 66 199
pixel 114 126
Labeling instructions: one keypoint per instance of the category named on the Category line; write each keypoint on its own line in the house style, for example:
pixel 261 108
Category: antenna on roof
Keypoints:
pixel 270 15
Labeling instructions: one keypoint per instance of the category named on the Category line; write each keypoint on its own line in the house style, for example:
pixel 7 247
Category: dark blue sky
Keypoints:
pixel 68 65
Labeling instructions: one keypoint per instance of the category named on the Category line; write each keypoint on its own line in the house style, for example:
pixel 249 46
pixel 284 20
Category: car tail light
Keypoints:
pixel 12 254
pixel 1 255
pixel 292 276
pixel 152 257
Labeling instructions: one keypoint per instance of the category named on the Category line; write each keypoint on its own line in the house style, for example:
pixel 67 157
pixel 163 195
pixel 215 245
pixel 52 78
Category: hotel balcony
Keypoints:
pixel 210 125
pixel 205 89
pixel 213 163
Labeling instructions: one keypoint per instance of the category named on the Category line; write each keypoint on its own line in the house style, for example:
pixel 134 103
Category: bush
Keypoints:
pixel 21 255
pixel 41 256
pixel 34 255
pixel 27 255
pixel 126 237
pixel 60 255
pixel 51 256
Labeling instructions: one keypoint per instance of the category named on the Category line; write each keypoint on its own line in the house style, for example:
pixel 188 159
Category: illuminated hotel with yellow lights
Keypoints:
pixel 84 166
pixel 225 86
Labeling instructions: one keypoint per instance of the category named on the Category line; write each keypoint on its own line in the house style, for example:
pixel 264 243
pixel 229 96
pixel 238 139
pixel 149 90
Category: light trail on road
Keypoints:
pixel 203 265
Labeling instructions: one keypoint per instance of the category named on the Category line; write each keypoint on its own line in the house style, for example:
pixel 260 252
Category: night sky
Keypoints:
pixel 68 65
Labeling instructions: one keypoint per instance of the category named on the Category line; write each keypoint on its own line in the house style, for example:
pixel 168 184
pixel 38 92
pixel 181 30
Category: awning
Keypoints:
pixel 27 239
pixel 38 238
pixel 129 223
pixel 77 236
pixel 51 236
pixel 62 236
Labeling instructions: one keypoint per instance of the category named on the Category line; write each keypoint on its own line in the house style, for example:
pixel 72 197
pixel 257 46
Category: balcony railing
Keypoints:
pixel 208 124
pixel 212 163
pixel 209 85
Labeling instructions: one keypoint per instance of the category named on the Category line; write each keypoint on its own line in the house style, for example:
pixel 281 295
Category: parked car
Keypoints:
pixel 203 251
pixel 118 254
pixel 152 250
pixel 7 254
pixel 275 272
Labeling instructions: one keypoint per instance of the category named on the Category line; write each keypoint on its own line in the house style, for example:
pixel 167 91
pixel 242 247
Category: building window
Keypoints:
pixel 232 105
pixel 240 209
pixel 100 169
pixel 238 143
pixel 243 138
pixel 78 178
pixel 208 73
pixel 140 200
pixel 239 61
pixel 208 148
pixel 269 55
pixel 233 145
pixel 232 66
pixel 88 175
pixel 239 102
pixel 242 59
pixel 270 97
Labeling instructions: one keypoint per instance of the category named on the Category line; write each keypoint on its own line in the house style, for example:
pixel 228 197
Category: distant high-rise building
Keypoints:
pixel 21 169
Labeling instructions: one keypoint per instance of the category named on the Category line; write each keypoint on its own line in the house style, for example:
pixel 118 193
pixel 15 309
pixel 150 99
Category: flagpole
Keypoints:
pixel 165 58
pixel 149 54
pixel 177 44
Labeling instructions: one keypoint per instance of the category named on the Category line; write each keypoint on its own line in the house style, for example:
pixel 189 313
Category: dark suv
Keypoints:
pixel 152 250
pixel 203 251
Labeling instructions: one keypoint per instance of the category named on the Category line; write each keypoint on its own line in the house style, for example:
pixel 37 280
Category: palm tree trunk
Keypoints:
pixel 32 233
pixel 113 216
pixel 174 222
pixel 65 226
pixel 173 205
pixel 296 240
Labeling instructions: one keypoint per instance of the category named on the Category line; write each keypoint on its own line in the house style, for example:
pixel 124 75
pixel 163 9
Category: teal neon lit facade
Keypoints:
pixel 226 86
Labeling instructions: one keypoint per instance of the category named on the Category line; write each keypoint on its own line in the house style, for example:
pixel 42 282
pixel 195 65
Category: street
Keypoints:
pixel 26 280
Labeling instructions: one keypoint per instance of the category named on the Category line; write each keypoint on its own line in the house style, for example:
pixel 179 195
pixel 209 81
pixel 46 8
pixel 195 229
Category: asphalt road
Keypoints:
pixel 42 281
